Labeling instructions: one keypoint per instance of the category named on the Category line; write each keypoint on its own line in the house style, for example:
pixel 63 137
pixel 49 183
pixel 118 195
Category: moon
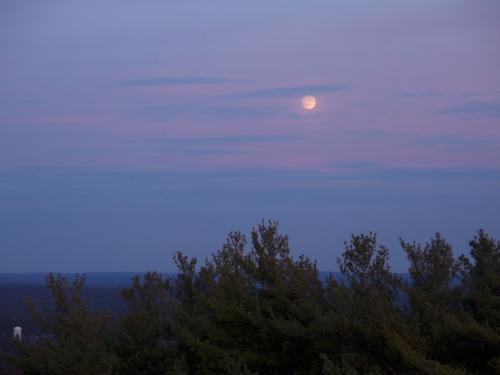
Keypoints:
pixel 309 102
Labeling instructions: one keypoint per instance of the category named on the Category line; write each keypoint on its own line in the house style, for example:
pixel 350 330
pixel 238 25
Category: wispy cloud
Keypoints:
pixel 176 81
pixel 364 135
pixel 437 172
pixel 211 145
pixel 225 140
pixel 481 93
pixel 291 91
pixel 454 140
pixel 204 151
pixel 167 113
pixel 370 169
pixel 55 182
pixel 355 165
pixel 420 94
pixel 481 108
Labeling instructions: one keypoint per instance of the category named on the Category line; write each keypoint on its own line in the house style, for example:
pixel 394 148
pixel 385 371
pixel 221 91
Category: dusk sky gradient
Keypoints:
pixel 132 129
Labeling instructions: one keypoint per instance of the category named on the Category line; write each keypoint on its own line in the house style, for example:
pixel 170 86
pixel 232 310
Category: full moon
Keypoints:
pixel 308 102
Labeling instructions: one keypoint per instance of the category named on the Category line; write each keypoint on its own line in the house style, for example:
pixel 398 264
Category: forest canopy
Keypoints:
pixel 253 308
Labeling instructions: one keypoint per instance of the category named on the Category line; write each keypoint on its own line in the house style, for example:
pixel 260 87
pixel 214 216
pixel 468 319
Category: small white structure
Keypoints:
pixel 18 333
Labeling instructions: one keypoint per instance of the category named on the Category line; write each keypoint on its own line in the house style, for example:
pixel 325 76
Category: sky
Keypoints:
pixel 130 130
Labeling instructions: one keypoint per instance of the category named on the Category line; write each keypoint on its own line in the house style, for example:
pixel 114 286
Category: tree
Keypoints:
pixel 434 300
pixel 73 341
pixel 479 324
pixel 146 341
pixel 362 313
pixel 251 310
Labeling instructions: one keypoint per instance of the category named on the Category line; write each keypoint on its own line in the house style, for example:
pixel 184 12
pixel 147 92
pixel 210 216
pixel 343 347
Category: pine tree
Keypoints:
pixel 479 325
pixel 434 301
pixel 146 342
pixel 73 341
pixel 253 309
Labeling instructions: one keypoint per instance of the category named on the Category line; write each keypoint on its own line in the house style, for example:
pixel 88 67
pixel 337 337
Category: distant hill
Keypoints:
pixel 93 278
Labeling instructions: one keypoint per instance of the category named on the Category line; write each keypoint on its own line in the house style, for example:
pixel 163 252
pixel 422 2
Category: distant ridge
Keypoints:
pixel 93 278
pixel 113 278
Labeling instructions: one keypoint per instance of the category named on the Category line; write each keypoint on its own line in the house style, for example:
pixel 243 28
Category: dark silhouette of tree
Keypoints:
pixel 365 316
pixel 146 344
pixel 253 308
pixel 478 324
pixel 73 340
pixel 433 300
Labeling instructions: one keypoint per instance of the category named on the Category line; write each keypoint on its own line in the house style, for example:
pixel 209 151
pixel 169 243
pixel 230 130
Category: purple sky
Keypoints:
pixel 130 129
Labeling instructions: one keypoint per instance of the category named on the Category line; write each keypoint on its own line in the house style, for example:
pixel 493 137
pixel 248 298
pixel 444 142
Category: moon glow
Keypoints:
pixel 308 102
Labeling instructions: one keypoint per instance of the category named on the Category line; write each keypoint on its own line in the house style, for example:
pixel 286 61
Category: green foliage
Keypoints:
pixel 479 323
pixel 432 270
pixel 253 308
pixel 74 341
pixel 146 344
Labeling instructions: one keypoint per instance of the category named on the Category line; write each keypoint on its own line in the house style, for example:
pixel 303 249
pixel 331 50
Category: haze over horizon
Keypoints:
pixel 129 131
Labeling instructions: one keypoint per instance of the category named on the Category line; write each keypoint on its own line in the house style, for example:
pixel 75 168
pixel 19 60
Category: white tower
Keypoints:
pixel 18 332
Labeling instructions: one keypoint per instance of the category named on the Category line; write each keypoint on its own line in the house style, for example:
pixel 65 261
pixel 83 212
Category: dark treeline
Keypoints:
pixel 251 308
